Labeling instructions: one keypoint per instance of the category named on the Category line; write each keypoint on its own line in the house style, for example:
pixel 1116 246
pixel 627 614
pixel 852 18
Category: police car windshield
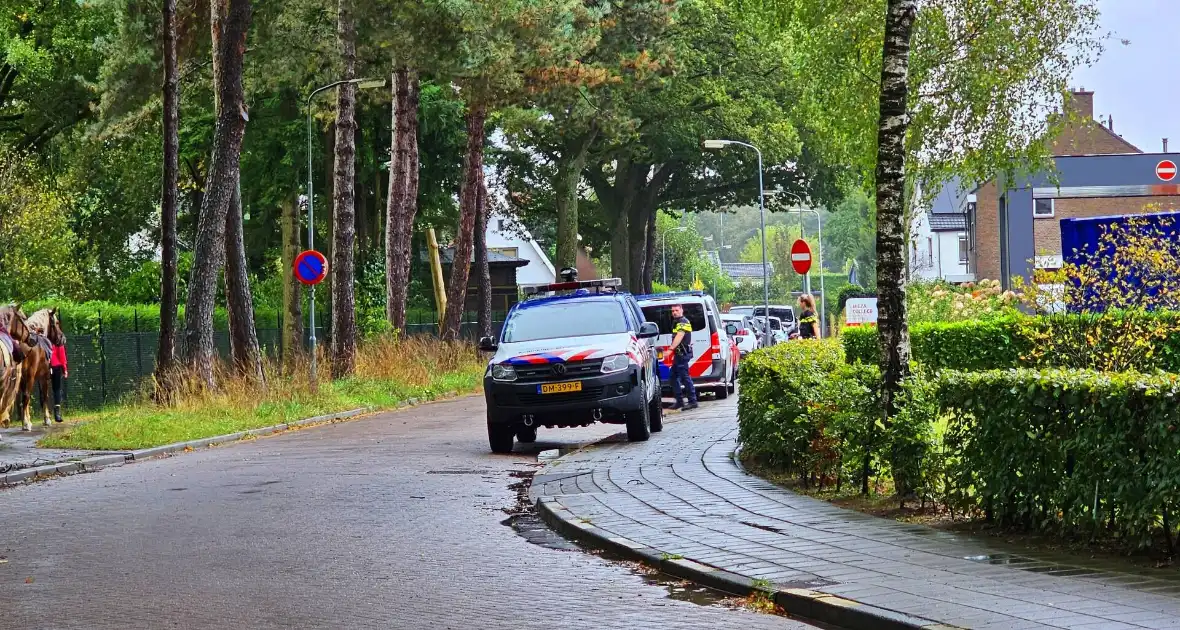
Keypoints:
pixel 575 318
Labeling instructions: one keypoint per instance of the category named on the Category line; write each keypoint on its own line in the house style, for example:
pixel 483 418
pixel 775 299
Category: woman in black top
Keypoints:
pixel 808 322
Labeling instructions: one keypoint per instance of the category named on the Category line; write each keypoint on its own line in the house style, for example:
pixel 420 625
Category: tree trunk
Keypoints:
pixel 344 204
pixel 468 203
pixel 620 261
pixel 650 263
pixel 565 187
pixel 169 202
pixel 637 235
pixel 892 330
pixel 230 20
pixel 484 299
pixel 403 195
pixel 292 290
pixel 243 338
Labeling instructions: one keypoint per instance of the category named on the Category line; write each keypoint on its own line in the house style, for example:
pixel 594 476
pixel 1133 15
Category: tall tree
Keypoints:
pixel 403 194
pixel 473 182
pixel 344 203
pixel 484 272
pixel 229 23
pixel 243 337
pixel 893 333
pixel 169 198
pixel 292 340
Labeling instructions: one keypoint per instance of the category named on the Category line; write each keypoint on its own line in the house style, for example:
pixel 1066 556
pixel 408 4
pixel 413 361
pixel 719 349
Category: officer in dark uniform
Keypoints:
pixel 681 349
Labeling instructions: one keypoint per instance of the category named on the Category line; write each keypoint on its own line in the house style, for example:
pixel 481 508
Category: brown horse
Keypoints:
pixel 34 368
pixel 46 323
pixel 11 357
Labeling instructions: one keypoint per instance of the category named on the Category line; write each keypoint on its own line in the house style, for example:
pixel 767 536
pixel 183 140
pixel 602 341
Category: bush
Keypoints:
pixel 1039 449
pixel 1082 341
pixel 806 412
pixel 82 318
pixel 944 302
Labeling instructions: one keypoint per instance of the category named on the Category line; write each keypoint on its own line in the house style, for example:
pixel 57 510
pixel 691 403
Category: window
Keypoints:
pixel 507 251
pixel 1043 208
pixel 963 248
pixel 573 318
pixel 662 316
pixel 499 225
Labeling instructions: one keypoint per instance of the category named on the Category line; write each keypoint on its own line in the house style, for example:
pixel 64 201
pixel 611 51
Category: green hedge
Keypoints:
pixel 1025 448
pixel 1038 448
pixel 84 317
pixel 1009 343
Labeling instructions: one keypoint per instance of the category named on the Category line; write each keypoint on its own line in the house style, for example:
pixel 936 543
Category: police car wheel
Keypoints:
pixel 500 437
pixel 638 425
pixel 655 414
pixel 526 435
pixel 722 392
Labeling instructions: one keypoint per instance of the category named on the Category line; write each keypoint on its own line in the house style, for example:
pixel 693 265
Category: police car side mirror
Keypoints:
pixel 648 330
pixel 488 344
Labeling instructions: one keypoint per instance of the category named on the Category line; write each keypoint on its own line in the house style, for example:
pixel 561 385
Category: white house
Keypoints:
pixel 939 246
pixel 507 236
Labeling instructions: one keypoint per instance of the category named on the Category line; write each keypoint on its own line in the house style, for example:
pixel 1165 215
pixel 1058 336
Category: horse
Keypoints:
pixel 34 367
pixel 11 358
pixel 47 323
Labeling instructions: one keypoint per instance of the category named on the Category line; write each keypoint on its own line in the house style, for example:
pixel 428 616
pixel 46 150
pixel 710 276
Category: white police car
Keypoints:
pixel 572 354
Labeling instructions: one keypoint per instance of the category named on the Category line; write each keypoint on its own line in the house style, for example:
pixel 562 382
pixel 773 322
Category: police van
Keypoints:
pixel 715 356
pixel 571 354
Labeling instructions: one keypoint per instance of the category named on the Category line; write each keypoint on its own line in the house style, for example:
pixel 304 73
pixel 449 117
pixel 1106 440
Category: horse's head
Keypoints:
pixel 13 321
pixel 55 333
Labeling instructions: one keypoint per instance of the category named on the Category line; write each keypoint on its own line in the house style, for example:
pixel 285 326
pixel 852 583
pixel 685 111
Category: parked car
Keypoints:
pixel 785 314
pixel 778 332
pixel 715 355
pixel 572 354
pixel 741 328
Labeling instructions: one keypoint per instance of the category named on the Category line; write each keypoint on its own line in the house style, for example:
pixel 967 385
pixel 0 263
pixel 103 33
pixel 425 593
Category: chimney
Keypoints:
pixel 1110 122
pixel 1165 145
pixel 1081 103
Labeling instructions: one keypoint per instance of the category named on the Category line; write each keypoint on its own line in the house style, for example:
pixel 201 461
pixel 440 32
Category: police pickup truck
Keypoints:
pixel 571 354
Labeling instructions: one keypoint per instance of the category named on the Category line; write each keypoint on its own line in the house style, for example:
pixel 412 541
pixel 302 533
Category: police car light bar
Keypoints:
pixel 533 289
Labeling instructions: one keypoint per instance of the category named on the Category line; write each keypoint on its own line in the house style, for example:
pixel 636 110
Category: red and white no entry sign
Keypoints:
pixel 1166 170
pixel 801 257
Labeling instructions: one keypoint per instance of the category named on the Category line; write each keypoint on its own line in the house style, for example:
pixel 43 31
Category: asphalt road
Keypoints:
pixel 394 521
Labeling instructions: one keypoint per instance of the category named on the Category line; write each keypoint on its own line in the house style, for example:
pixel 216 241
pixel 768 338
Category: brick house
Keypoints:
pixel 1013 225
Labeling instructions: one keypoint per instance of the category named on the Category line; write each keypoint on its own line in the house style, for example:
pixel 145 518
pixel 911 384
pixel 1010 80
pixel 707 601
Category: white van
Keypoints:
pixel 715 355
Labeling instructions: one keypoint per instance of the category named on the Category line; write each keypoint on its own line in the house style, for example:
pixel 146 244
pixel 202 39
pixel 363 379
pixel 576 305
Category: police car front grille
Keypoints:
pixel 546 372
pixel 589 393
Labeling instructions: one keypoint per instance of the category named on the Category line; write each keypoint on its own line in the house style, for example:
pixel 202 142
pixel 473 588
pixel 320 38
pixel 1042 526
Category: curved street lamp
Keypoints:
pixel 714 145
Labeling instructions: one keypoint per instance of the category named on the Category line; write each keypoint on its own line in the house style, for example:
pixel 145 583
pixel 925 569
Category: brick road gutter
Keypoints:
pixel 94 463
pixel 812 605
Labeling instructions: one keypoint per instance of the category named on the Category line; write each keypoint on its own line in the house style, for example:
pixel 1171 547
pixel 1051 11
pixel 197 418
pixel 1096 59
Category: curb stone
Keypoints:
pixel 90 464
pixel 813 605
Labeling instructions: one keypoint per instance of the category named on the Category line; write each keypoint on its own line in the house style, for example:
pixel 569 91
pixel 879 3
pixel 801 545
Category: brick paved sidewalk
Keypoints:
pixel 682 495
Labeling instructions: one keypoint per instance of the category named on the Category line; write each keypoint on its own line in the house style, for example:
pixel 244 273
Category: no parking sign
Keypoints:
pixel 311 267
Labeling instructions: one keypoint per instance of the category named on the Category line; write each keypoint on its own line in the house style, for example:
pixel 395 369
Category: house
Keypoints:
pixel 1014 226
pixel 939 241
pixel 505 235
pixel 742 272
pixel 504 270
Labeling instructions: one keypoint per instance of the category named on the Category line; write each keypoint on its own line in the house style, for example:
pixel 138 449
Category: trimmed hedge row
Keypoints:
pixel 1070 451
pixel 1010 342
pixel 1043 449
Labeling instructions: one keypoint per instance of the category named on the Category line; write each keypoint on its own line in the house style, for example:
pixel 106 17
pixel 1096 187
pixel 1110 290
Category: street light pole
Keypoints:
pixel 363 84
pixel 721 144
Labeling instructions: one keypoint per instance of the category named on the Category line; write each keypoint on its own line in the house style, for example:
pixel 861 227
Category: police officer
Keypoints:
pixel 681 349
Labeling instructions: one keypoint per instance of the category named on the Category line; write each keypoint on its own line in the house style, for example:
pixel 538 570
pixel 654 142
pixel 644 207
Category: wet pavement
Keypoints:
pixel 19 450
pixel 402 520
pixel 682 494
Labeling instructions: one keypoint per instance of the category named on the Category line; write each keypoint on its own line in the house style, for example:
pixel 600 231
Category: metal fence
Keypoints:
pixel 107 367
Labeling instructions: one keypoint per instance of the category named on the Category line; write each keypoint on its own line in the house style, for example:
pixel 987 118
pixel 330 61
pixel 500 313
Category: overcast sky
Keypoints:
pixel 1138 83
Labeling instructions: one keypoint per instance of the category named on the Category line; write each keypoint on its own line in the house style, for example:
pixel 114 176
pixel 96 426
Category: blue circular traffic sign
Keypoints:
pixel 311 267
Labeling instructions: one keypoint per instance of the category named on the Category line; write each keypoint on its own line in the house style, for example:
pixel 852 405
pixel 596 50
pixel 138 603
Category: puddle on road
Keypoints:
pixel 524 520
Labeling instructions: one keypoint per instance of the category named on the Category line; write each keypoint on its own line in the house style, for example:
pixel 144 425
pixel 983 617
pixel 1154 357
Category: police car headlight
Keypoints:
pixel 501 372
pixel 615 363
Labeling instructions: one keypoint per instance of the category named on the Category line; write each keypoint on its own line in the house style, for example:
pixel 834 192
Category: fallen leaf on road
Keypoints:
pixel 29 580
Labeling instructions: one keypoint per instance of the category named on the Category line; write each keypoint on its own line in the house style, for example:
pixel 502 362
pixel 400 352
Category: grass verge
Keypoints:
pixel 388 372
